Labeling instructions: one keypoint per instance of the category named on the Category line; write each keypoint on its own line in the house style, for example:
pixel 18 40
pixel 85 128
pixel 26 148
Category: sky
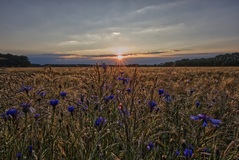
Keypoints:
pixel 142 31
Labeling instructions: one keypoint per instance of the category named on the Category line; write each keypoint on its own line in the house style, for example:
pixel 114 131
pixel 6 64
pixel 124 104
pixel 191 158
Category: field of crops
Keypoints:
pixel 119 113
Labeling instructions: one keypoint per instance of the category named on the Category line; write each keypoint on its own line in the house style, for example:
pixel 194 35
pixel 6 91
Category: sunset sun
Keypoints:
pixel 119 57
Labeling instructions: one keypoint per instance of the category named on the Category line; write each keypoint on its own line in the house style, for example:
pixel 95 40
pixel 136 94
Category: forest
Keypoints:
pixel 220 60
pixel 9 60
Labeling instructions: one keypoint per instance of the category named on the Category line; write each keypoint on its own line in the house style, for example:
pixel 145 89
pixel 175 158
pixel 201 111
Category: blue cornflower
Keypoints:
pixel 42 94
pixel 188 152
pixel 215 122
pixel 37 115
pixel 124 112
pixel 104 66
pixel 125 80
pixel 121 72
pixel 129 90
pixel 19 155
pixel 54 102
pixel 191 91
pixel 100 121
pixel 25 107
pixel 157 109
pixel 161 91
pixel 79 103
pixel 139 101
pixel 119 78
pixel 85 108
pixel 63 94
pixel 3 115
pixel 30 149
pixel 111 96
pixel 94 97
pixel 205 119
pixel 207 150
pixel 107 98
pixel 204 124
pixel 12 112
pixel 152 105
pixel 197 104
pixel 177 152
pixel 25 88
pixel 71 109
pixel 167 98
pixel 150 146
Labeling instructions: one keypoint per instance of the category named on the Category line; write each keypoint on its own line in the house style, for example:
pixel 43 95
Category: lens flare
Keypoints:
pixel 119 57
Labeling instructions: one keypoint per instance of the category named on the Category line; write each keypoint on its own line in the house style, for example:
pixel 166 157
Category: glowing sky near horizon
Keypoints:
pixel 91 30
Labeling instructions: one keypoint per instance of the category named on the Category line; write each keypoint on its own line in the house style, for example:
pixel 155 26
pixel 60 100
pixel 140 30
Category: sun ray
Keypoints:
pixel 120 57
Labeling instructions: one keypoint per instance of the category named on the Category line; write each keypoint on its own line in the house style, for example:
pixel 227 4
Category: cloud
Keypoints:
pixel 72 43
pixel 109 60
pixel 87 28
pixel 167 28
pixel 162 52
pixel 96 51
pixel 145 9
pixel 115 33
pixel 159 7
pixel 115 55
pixel 72 56
pixel 91 40
pixel 101 55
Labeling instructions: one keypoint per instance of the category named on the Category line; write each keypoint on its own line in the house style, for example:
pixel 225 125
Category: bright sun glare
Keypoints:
pixel 119 57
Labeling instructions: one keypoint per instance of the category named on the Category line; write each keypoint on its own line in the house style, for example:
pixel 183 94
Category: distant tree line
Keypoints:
pixel 220 60
pixel 9 60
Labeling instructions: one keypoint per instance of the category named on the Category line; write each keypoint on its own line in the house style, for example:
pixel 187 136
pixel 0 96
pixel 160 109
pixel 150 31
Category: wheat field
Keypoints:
pixel 118 113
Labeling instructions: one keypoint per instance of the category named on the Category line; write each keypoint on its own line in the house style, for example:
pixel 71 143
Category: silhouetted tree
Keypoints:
pixel 220 60
pixel 9 60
